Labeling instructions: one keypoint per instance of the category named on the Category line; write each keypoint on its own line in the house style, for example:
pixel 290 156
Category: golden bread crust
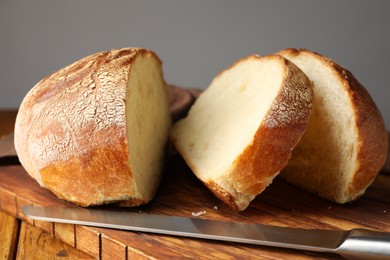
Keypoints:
pixel 373 138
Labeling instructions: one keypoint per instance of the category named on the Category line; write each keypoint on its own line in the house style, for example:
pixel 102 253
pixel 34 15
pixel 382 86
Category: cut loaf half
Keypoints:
pixel 345 144
pixel 95 132
pixel 240 132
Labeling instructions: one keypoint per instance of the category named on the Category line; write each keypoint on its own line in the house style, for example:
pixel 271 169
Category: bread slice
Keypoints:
pixel 345 144
pixel 240 132
pixel 95 132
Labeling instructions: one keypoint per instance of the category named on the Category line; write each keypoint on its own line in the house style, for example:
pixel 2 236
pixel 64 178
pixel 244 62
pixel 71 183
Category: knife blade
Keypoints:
pixel 355 243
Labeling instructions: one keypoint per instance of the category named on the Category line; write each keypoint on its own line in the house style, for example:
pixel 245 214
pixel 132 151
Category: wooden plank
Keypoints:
pixel 48 227
pixel 112 249
pixel 8 200
pixel 88 240
pixel 136 254
pixel 66 233
pixel 9 230
pixel 36 244
pixel 142 245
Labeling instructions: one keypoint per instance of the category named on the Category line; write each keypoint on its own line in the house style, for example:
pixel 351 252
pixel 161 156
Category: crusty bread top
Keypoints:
pixel 368 136
pixel 58 98
pixel 59 88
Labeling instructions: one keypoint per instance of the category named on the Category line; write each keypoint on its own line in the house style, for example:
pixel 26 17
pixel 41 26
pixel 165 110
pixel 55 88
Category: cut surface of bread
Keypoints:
pixel 240 132
pixel 345 144
pixel 95 132
pixel 147 114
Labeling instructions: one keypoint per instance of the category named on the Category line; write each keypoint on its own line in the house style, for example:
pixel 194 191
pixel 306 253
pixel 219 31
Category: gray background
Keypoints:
pixel 195 39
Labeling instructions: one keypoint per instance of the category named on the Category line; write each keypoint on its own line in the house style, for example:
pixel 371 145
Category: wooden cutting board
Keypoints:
pixel 181 194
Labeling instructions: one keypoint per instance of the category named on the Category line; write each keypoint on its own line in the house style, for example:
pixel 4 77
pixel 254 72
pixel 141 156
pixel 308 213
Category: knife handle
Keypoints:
pixel 365 244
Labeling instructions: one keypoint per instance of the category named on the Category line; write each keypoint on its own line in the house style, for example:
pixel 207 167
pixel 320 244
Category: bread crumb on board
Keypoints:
pixel 215 207
pixel 200 213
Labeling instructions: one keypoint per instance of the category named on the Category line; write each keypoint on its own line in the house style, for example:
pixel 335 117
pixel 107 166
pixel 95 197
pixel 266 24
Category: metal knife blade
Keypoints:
pixel 356 243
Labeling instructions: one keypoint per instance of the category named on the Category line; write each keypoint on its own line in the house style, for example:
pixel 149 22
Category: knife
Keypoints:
pixel 355 243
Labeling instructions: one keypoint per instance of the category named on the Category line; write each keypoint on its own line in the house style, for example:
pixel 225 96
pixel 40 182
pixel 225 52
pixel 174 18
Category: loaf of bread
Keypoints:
pixel 96 131
pixel 240 132
pixel 345 143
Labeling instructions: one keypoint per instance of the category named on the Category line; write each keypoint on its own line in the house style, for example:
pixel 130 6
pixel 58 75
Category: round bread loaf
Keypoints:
pixel 95 132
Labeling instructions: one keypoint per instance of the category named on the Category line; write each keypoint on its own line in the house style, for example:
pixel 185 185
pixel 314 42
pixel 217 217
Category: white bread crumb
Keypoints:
pixel 200 213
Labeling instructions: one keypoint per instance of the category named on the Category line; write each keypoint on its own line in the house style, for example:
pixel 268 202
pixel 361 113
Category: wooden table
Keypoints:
pixel 180 194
